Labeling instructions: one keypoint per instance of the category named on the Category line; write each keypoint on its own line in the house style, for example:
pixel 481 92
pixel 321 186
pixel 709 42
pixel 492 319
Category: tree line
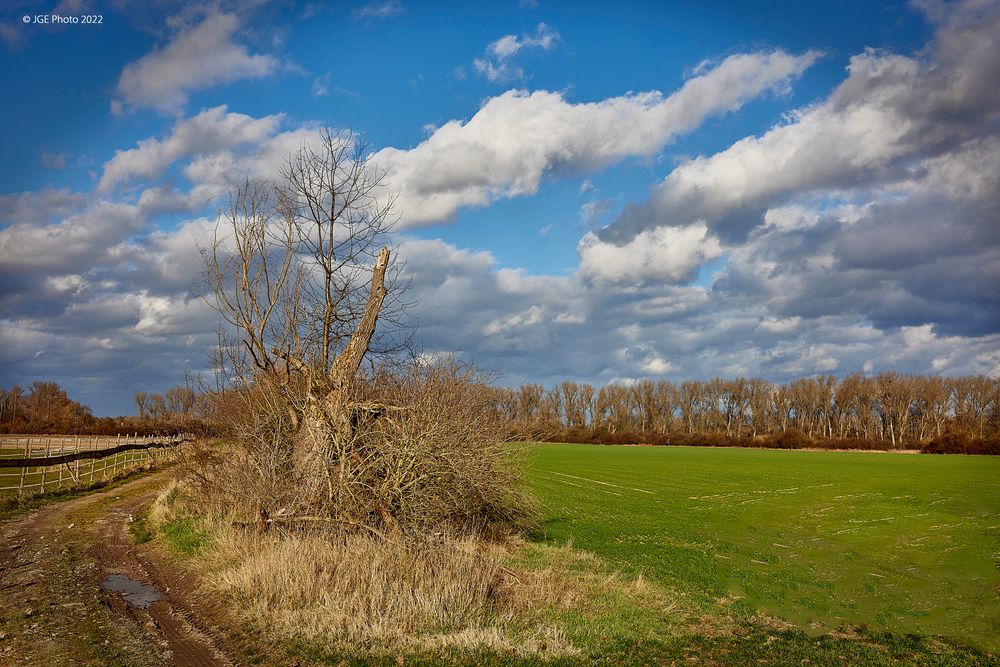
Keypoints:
pixel 886 411
pixel 45 408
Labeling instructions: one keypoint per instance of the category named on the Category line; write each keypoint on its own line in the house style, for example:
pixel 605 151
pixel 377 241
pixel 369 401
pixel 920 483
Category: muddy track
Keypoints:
pixel 54 611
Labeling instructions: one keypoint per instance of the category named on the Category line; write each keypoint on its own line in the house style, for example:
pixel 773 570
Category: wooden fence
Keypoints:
pixel 30 464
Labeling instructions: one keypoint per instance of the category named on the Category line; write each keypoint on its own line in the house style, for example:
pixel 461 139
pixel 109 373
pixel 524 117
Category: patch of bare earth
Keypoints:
pixel 54 611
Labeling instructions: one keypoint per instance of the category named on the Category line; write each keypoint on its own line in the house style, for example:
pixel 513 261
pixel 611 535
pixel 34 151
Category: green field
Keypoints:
pixel 898 543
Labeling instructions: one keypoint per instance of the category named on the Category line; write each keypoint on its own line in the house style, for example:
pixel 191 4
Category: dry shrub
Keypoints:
pixel 251 468
pixel 791 438
pixel 416 555
pixel 430 454
pixel 444 459
pixel 959 441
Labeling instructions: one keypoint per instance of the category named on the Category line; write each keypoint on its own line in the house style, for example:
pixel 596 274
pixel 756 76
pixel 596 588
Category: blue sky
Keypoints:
pixel 589 191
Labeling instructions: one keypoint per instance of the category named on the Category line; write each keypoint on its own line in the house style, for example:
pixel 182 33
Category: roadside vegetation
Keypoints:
pixel 361 596
pixel 358 507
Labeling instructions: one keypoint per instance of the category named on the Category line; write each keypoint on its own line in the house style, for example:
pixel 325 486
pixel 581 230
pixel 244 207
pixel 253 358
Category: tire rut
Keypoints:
pixel 34 551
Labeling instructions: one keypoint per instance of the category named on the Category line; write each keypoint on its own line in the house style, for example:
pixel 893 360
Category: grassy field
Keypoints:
pixel 897 543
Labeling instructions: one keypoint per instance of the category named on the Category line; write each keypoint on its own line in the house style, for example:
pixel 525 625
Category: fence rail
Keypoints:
pixel 47 463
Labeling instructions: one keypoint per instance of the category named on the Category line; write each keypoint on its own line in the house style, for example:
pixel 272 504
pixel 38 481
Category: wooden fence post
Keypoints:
pixel 77 462
pixel 24 470
pixel 140 453
pixel 93 463
pixel 48 446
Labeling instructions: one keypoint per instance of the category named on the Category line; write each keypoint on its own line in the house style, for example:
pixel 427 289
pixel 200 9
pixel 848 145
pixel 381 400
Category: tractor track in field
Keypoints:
pixel 54 610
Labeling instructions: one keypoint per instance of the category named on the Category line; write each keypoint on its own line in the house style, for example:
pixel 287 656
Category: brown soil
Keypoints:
pixel 53 610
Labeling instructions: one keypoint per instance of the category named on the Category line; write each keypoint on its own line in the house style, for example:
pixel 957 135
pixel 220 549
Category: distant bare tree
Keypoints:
pixel 141 404
pixel 688 398
pixel 759 395
pixel 575 405
pixel 664 402
pixel 11 403
pixel 895 393
pixel 587 398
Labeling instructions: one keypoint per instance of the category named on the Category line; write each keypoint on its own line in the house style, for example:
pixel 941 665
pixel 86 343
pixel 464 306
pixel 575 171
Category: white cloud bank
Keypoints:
pixel 518 138
pixel 505 150
pixel 891 112
pixel 879 202
pixel 197 57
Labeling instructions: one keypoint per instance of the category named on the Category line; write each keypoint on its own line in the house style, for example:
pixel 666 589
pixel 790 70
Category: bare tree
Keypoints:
pixel 689 398
pixel 141 404
pixel 299 271
pixel 758 404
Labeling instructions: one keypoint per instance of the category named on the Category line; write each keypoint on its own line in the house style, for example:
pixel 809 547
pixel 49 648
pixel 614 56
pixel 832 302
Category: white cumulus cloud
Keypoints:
pixel 197 57
pixel 517 138
pixel 208 132
pixel 498 65
pixel 668 254
pixel 889 113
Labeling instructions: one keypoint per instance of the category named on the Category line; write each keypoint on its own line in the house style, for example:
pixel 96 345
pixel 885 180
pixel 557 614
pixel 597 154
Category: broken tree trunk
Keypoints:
pixel 332 418
pixel 346 366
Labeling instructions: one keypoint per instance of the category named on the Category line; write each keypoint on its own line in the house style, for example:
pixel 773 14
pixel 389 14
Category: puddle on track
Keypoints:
pixel 137 594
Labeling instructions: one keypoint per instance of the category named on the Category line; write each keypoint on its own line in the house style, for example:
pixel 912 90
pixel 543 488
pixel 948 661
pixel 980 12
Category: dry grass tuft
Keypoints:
pixel 165 507
pixel 559 584
pixel 359 593
pixel 371 594
pixel 357 588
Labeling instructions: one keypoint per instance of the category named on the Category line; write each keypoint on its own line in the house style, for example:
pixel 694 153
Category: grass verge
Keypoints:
pixel 139 530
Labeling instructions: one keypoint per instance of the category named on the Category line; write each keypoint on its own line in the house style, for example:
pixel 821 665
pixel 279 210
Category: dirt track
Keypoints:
pixel 53 610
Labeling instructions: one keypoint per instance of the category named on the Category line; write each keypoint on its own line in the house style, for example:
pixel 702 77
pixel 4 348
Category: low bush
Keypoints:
pixel 791 438
pixel 426 454
pixel 954 442
pixel 957 441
